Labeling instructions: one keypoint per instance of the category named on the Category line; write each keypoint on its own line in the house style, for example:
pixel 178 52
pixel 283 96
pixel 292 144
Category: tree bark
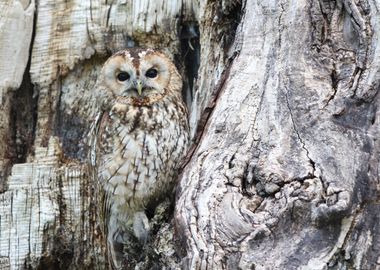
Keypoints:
pixel 283 171
pixel 286 172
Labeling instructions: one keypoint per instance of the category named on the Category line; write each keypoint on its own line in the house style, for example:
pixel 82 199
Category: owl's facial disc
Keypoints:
pixel 137 76
pixel 140 84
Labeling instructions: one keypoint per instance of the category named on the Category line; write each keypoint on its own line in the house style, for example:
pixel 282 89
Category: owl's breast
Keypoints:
pixel 142 147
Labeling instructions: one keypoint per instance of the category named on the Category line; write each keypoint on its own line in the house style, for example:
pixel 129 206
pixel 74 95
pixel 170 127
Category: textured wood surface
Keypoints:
pixel 284 169
pixel 286 172
pixel 16 27
pixel 47 209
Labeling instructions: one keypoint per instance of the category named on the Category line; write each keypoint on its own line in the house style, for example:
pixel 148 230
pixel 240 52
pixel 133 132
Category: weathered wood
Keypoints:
pixel 16 27
pixel 48 210
pixel 286 171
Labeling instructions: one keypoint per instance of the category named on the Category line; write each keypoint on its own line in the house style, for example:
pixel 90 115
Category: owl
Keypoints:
pixel 138 140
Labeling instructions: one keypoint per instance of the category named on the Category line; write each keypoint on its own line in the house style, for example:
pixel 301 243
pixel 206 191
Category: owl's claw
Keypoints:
pixel 141 227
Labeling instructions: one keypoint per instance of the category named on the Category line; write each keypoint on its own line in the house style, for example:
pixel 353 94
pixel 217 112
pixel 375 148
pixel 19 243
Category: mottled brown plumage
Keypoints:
pixel 138 140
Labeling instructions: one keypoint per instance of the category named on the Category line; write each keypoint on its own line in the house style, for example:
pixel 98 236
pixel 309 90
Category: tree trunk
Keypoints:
pixel 283 171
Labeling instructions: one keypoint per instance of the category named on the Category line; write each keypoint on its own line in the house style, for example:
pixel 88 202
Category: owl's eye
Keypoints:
pixel 123 76
pixel 151 73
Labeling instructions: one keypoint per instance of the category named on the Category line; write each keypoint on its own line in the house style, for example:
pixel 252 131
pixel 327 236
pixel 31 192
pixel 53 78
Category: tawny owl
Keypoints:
pixel 139 139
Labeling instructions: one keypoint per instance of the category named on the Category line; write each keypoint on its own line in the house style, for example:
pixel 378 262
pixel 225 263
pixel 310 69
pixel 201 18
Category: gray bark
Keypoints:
pixel 286 173
pixel 283 171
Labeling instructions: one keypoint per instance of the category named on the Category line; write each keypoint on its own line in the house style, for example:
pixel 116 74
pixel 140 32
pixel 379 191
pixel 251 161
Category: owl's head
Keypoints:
pixel 140 76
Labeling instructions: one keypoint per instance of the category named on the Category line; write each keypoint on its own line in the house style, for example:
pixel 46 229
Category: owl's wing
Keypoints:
pixel 95 134
pixel 100 149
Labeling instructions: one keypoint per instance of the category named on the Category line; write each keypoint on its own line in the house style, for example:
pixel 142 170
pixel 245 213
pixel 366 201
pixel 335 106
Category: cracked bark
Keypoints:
pixel 283 172
pixel 288 157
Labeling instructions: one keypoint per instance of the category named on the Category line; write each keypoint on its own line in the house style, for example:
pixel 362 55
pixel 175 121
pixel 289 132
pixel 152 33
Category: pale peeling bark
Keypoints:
pixel 283 171
pixel 16 27
pixel 48 210
pixel 286 173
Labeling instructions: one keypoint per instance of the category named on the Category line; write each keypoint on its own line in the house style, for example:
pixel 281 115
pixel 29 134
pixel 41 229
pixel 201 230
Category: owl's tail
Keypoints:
pixel 115 248
pixel 123 240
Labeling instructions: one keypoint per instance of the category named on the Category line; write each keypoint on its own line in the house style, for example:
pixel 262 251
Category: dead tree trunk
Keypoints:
pixel 283 172
pixel 285 175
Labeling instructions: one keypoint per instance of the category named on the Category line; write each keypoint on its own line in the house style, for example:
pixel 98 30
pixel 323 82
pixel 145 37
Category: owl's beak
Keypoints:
pixel 139 87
